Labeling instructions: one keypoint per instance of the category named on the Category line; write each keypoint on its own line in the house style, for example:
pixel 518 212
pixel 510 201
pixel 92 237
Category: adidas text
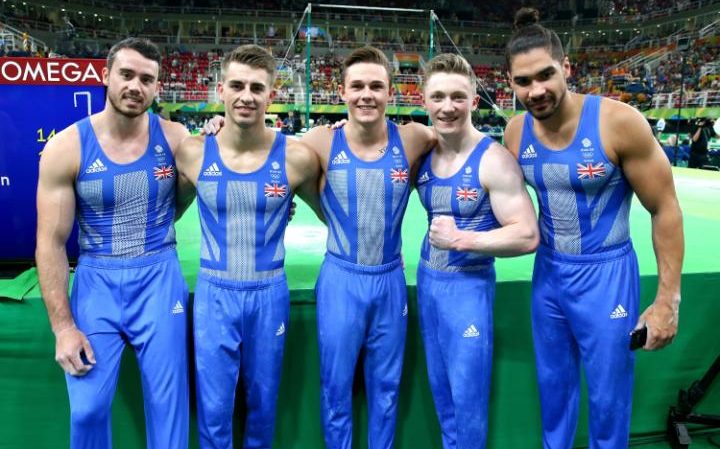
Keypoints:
pixel 529 153
pixel 341 158
pixel 96 167
pixel 619 312
pixel 178 308
pixel 471 332
pixel 213 170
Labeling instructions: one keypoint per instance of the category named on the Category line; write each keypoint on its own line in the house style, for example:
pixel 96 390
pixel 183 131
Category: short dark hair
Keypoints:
pixel 450 63
pixel 142 46
pixel 370 55
pixel 251 55
pixel 529 35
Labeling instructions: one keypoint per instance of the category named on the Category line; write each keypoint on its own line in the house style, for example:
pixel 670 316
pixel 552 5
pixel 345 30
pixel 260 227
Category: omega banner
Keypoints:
pixel 38 98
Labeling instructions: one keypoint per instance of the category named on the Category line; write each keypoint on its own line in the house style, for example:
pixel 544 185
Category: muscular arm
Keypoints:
pixel 511 206
pixel 648 171
pixel 176 134
pixel 304 173
pixel 56 214
pixel 188 158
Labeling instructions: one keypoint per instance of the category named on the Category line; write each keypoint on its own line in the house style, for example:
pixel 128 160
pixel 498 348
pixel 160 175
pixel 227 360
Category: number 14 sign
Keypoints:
pixel 38 98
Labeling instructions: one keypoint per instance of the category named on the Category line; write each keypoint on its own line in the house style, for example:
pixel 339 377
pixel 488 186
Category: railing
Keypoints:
pixel 700 99
pixel 18 37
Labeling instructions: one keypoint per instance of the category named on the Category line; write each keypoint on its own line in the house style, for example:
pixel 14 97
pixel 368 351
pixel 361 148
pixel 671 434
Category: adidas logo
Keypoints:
pixel 178 308
pixel 281 329
pixel 96 167
pixel 405 311
pixel 341 158
pixel 424 177
pixel 212 170
pixel 619 312
pixel 471 332
pixel 529 152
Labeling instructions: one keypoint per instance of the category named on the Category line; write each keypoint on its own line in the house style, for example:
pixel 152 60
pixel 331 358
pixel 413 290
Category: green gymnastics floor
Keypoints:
pixel 34 406
pixel 698 191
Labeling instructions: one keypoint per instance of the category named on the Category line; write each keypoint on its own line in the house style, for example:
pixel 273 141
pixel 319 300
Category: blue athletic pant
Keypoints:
pixel 583 310
pixel 239 329
pixel 456 324
pixel 141 301
pixel 360 307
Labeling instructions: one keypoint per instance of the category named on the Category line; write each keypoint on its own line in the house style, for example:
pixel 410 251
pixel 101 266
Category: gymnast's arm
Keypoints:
pixel 648 171
pixel 59 166
pixel 518 232
pixel 304 171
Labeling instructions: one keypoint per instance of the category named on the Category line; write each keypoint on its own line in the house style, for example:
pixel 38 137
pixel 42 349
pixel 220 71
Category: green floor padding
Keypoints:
pixel 34 402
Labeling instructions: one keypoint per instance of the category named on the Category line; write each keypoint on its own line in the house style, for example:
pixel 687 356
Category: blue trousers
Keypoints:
pixel 583 310
pixel 239 329
pixel 141 301
pixel 457 330
pixel 360 307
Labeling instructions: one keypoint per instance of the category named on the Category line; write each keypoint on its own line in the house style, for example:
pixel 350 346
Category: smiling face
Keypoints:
pixel 246 92
pixel 450 99
pixel 539 81
pixel 366 91
pixel 132 82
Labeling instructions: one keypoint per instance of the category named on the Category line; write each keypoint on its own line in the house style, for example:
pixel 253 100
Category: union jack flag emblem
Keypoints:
pixel 466 194
pixel 163 172
pixel 590 171
pixel 399 175
pixel 275 190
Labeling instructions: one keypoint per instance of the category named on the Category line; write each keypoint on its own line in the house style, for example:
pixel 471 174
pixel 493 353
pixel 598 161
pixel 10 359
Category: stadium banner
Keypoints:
pixel 39 97
pixel 686 113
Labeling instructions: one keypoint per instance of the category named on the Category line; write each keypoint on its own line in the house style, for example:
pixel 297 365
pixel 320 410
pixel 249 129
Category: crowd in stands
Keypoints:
pixel 186 75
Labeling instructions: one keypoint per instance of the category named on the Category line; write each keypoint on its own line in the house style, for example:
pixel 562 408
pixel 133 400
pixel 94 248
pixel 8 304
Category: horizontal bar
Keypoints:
pixel 371 8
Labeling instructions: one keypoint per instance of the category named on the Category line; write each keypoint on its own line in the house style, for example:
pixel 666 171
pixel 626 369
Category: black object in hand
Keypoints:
pixel 638 338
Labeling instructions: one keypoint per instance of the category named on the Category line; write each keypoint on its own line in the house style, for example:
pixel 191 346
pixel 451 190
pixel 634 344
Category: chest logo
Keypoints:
pixel 213 170
pixel 529 153
pixel 275 165
pixel 399 175
pixel 163 172
pixel 96 167
pixel 424 178
pixel 466 194
pixel 591 171
pixel 158 149
pixel 341 158
pixel 275 190
pixel 586 142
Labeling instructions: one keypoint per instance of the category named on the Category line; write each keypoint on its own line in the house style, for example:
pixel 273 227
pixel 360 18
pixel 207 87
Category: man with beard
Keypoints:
pixel 117 169
pixel 585 156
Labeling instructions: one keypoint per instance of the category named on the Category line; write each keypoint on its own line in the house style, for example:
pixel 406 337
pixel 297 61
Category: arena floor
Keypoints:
pixel 698 192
